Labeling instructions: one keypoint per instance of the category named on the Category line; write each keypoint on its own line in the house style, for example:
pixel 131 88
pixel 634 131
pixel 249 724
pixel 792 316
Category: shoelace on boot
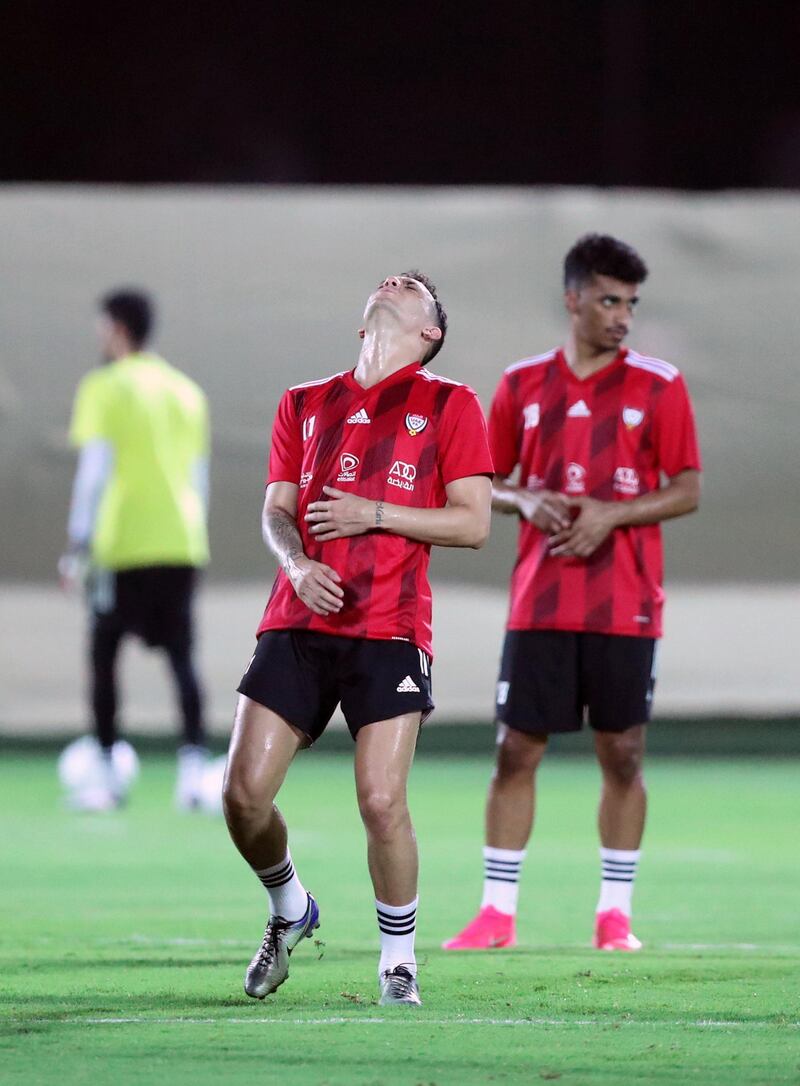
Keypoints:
pixel 400 981
pixel 269 945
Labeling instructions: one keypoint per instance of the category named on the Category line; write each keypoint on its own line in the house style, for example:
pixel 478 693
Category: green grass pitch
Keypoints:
pixel 124 938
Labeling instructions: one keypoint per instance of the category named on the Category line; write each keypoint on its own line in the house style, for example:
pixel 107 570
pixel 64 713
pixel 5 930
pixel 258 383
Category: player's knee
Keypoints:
pixel 382 812
pixel 518 754
pixel 621 758
pixel 243 801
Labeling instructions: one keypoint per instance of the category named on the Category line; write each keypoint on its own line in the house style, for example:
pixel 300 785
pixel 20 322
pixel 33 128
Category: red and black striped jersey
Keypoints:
pixel 609 436
pixel 401 441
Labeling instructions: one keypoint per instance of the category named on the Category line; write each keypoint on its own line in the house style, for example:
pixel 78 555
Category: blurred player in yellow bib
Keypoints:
pixel 138 521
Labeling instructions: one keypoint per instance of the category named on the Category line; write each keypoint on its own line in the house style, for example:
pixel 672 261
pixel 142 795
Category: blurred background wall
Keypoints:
pixel 259 288
pixel 263 288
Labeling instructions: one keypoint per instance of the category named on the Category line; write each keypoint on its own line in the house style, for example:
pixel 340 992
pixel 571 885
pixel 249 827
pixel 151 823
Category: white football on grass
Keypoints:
pixel 81 768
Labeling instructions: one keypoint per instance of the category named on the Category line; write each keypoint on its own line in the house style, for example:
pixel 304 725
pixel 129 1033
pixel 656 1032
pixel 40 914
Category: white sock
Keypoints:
pixel 192 761
pixel 287 895
pixel 397 924
pixel 501 868
pixel 619 870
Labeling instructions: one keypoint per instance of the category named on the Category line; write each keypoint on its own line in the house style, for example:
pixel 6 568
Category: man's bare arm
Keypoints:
pixel 279 523
pixel 463 522
pixel 547 509
pixel 316 584
pixel 680 496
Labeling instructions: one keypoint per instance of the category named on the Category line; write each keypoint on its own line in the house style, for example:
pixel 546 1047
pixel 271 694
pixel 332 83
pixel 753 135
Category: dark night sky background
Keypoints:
pixel 702 95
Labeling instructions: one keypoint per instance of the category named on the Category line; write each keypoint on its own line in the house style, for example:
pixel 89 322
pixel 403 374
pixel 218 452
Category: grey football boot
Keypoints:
pixel 399 986
pixel 270 966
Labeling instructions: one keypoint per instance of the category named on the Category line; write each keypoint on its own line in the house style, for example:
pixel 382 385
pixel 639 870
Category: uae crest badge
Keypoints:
pixel 415 424
pixel 632 416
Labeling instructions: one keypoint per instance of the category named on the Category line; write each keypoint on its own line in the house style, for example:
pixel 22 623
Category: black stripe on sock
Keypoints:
pixel 278 878
pixel 614 878
pixel 399 931
pixel 385 922
pixel 395 919
pixel 276 885
pixel 276 871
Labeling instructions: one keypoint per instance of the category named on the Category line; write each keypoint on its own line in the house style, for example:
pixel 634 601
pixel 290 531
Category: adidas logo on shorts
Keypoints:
pixel 408 686
pixel 360 416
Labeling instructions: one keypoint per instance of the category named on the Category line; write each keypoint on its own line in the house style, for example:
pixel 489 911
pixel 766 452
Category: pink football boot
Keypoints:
pixel 490 930
pixel 612 931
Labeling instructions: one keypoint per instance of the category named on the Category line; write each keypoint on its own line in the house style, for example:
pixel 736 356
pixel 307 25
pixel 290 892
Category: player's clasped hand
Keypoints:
pixel 546 509
pixel 594 522
pixel 317 585
pixel 344 515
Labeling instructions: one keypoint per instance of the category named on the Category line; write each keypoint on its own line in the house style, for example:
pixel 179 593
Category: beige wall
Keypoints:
pixel 263 287
pixel 725 651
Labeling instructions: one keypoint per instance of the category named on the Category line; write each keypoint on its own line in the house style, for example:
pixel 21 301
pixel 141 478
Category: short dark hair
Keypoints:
pixel 600 254
pixel 133 309
pixel 441 315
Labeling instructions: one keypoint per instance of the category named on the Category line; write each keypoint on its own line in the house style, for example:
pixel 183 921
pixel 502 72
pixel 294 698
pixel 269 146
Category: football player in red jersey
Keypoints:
pixel 367 470
pixel 605 443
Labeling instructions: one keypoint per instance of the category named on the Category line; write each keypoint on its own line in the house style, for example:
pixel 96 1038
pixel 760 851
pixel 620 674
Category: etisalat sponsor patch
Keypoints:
pixel 349 463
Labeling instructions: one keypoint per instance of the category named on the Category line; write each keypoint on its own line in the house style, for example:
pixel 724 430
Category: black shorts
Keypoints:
pixel 153 602
pixel 551 679
pixel 302 676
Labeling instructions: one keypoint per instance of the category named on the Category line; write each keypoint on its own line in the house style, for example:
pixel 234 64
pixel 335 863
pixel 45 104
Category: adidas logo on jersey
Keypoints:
pixel 408 686
pixel 579 410
pixel 360 416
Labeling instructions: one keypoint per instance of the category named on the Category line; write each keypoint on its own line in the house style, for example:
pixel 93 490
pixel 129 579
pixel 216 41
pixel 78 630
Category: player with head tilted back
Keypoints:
pixel 605 442
pixel 367 470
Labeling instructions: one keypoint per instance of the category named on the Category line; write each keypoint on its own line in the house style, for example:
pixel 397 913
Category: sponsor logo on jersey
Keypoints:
pixel 349 464
pixel 626 481
pixel 535 482
pixel 306 478
pixel 402 475
pixel 576 478
pixel 360 416
pixel 579 410
pixel 415 424
pixel 632 416
pixel 308 427
pixel 531 413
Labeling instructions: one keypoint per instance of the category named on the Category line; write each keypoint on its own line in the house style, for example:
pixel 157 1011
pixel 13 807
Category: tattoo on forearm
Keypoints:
pixel 283 537
pixel 378 514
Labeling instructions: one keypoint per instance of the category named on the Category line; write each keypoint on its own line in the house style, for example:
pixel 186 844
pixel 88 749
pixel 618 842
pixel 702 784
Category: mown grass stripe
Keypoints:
pixel 421 1020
